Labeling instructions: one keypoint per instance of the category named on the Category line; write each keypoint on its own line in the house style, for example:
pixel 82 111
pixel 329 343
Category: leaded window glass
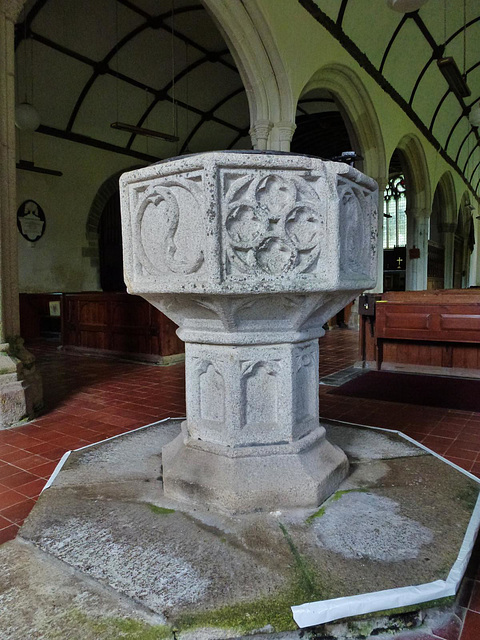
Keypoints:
pixel 394 211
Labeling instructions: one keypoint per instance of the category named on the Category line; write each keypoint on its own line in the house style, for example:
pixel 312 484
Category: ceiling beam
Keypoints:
pixel 94 142
pixel 362 59
pixel 391 41
pixel 203 120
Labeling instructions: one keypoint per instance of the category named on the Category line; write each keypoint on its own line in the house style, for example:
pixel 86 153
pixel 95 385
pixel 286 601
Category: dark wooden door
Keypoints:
pixel 110 247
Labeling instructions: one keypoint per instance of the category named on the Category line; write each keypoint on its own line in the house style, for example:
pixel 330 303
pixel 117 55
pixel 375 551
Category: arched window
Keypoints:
pixel 394 207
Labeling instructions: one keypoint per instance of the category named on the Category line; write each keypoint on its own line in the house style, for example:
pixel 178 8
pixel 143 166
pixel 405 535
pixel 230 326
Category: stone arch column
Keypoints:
pixel 465 220
pixel 270 97
pixel 20 384
pixel 419 202
pixel 364 131
pixel 448 225
pixel 471 212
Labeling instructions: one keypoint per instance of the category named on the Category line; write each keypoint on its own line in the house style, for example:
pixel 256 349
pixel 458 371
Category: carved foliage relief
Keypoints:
pixel 259 392
pixel 306 380
pixel 273 225
pixel 169 227
pixel 358 240
pixel 211 391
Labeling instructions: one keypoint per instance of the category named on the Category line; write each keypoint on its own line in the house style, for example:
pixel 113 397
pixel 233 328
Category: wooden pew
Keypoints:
pixel 429 331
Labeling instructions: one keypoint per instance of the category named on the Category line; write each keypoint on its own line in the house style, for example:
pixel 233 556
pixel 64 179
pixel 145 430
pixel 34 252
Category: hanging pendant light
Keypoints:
pixel 26 117
pixel 474 115
pixel 405 6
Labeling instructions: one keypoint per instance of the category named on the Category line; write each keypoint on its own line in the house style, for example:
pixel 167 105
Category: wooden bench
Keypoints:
pixel 430 330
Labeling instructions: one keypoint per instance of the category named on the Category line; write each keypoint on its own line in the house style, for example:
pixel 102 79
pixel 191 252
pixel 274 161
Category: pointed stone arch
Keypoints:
pixel 465 231
pixel 419 202
pixel 363 127
pixel 107 189
pixel 359 114
pixel 447 187
pixel 443 223
pixel 270 97
pixel 416 169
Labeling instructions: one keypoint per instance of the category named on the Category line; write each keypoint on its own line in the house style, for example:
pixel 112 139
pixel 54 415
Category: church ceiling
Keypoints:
pixel 163 65
pixel 402 53
pixel 86 64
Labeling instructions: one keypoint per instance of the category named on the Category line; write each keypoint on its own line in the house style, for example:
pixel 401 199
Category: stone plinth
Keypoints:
pixel 250 254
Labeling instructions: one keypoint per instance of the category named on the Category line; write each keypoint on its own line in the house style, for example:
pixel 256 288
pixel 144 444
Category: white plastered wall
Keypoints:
pixel 60 260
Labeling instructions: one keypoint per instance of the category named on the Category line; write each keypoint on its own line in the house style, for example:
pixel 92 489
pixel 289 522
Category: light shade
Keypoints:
pixel 405 6
pixel 452 74
pixel 26 117
pixel 474 115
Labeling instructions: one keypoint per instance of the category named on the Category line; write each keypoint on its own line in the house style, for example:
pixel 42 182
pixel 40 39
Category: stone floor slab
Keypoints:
pixel 398 519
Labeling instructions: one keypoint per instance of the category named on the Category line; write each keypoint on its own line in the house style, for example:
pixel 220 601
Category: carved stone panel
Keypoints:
pixel 212 393
pixel 260 395
pixel 305 368
pixel 166 212
pixel 273 224
pixel 206 395
pixel 358 238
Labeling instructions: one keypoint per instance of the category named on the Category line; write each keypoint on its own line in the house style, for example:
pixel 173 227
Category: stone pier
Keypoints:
pixel 250 254
pixel 20 384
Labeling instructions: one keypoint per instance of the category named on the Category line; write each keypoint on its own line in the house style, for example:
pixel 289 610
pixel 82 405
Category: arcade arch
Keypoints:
pixel 414 168
pixel 441 235
pixel 360 119
pixel 270 97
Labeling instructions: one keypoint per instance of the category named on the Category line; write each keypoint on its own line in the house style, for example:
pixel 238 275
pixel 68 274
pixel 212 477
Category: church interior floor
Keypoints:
pixel 88 399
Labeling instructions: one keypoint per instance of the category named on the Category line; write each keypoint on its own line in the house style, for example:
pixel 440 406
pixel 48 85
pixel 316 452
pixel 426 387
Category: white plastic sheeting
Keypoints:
pixel 314 613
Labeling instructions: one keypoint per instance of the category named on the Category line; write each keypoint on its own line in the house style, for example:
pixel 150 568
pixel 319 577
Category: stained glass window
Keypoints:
pixel 395 218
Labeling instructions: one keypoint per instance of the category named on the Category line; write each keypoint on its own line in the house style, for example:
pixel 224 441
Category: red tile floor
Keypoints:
pixel 88 399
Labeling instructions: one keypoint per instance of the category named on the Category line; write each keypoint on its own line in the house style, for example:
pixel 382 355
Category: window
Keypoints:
pixel 395 218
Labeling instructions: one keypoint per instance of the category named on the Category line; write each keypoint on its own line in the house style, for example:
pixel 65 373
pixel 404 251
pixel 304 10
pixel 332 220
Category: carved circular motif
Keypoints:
pixel 273 226
pixel 302 227
pixel 275 256
pixel 246 224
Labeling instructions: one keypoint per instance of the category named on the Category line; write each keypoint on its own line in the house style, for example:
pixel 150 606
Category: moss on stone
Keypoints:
pixel 306 579
pixel 273 610
pixel 469 495
pixel 246 617
pixel 336 496
pixel 86 627
pixel 160 511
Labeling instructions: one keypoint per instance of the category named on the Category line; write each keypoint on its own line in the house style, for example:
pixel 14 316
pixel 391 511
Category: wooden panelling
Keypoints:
pixel 35 317
pixel 459 322
pixel 428 320
pixel 108 322
pixel 425 329
pixel 119 323
pixel 405 319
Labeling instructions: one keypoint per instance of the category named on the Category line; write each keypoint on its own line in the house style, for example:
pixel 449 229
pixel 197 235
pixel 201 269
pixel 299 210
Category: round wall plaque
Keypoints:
pixel 31 220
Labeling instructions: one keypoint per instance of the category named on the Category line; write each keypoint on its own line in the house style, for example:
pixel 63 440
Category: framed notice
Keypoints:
pixel 31 220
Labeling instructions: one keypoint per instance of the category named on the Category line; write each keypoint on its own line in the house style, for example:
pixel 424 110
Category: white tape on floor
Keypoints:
pixel 66 455
pixel 315 613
